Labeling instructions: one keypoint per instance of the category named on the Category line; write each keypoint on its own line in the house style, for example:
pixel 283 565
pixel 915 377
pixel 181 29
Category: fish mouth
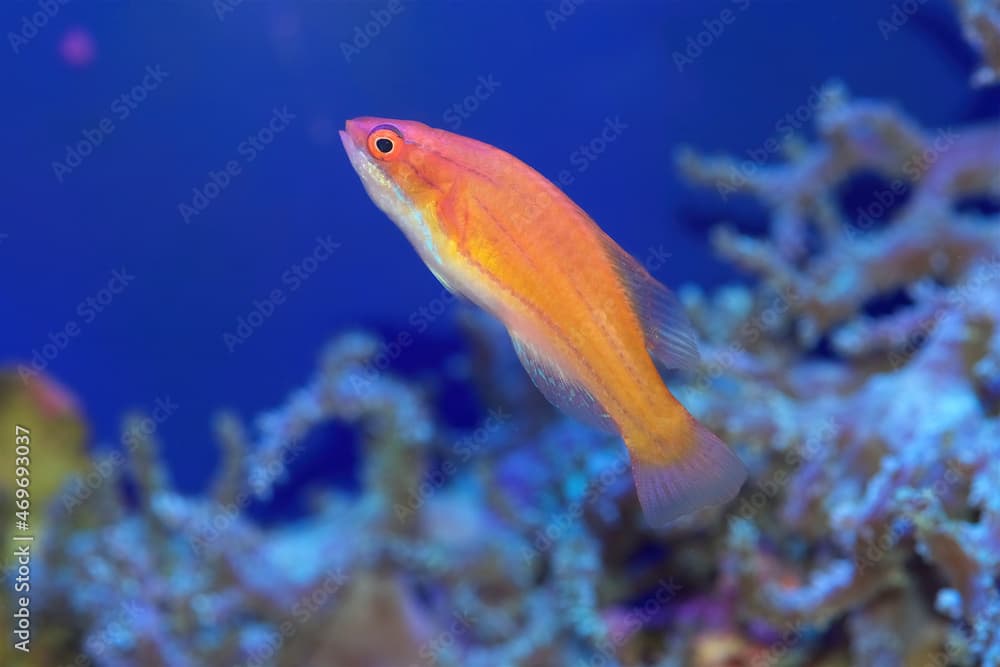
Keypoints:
pixel 355 149
pixel 377 183
pixel 357 130
pixel 351 136
pixel 348 142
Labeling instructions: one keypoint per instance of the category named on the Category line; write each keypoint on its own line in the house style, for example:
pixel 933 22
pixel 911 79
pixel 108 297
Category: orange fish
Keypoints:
pixel 587 320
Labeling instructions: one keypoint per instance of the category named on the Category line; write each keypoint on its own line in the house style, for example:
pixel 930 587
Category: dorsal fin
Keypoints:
pixel 670 338
pixel 560 388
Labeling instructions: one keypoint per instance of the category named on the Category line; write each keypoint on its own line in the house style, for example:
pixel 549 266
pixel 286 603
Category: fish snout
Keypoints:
pixel 356 130
pixel 347 141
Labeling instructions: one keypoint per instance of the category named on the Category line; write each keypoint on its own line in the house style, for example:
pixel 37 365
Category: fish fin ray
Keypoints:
pixel 444 281
pixel 708 473
pixel 560 389
pixel 670 338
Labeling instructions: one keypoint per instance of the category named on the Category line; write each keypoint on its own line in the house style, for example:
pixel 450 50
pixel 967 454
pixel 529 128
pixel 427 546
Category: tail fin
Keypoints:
pixel 707 474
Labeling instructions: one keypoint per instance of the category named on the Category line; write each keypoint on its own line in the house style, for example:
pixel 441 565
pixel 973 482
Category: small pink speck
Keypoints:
pixel 78 47
pixel 53 399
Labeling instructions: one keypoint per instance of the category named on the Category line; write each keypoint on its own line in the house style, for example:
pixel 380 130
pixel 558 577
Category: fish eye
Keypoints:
pixel 384 142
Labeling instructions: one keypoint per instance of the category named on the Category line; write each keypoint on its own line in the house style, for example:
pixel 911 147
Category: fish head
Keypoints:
pixel 402 167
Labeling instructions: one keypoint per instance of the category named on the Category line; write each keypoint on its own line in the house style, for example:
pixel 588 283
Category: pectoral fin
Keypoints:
pixel 560 388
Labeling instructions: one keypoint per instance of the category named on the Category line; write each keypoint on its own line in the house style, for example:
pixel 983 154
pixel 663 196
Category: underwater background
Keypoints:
pixel 262 433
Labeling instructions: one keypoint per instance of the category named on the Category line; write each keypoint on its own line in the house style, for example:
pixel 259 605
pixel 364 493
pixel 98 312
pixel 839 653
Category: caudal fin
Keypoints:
pixel 708 474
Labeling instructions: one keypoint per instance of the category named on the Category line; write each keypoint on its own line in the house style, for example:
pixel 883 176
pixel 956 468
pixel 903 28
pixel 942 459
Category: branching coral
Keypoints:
pixel 927 173
pixel 981 21
pixel 894 489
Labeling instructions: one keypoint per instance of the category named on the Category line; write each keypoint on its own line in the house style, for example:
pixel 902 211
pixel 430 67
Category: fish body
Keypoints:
pixel 586 319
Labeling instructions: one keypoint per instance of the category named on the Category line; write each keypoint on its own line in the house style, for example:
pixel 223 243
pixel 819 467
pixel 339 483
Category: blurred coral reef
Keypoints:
pixel 869 533
pixel 873 510
pixel 981 21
